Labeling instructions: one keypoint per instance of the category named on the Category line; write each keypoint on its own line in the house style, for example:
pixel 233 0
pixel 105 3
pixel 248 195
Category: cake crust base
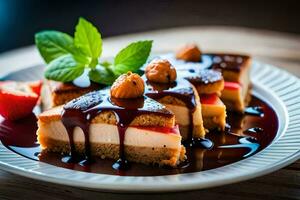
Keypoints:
pixel 145 155
pixel 212 123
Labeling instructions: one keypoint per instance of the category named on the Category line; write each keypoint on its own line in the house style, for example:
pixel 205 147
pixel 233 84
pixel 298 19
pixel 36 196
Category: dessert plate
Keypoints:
pixel 278 88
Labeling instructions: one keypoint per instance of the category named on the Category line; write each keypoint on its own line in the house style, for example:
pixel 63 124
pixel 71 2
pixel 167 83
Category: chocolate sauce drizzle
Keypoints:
pixel 81 111
pixel 248 142
pixel 217 61
pixel 205 77
pixel 227 61
pixel 198 158
pixel 180 89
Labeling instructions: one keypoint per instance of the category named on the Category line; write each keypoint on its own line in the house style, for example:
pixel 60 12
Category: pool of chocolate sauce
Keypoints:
pixel 248 134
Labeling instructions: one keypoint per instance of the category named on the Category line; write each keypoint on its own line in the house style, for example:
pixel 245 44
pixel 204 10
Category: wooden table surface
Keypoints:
pixel 282 50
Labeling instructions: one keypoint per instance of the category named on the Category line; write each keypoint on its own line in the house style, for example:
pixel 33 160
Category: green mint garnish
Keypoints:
pixel 88 40
pixel 105 64
pixel 53 44
pixel 102 75
pixel 64 68
pixel 132 57
pixel 67 58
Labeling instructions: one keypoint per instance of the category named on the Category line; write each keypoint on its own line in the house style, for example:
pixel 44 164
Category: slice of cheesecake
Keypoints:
pixel 235 96
pixel 236 72
pixel 235 68
pixel 213 112
pixel 178 95
pixel 209 85
pixel 207 81
pixel 182 99
pixel 138 130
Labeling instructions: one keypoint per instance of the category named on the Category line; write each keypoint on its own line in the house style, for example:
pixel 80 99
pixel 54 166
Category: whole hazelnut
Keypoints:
pixel 189 53
pixel 127 86
pixel 160 71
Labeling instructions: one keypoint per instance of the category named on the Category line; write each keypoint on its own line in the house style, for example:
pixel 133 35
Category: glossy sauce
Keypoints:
pixel 248 135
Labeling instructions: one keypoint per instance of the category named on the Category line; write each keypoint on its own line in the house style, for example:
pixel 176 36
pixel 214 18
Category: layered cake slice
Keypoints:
pixel 236 72
pixel 206 81
pixel 178 95
pixel 120 124
pixel 235 69
pixel 213 111
pixel 209 84
pixel 58 93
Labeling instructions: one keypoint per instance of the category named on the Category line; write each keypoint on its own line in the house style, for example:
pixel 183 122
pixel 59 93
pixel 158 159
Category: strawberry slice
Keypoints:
pixel 17 99
pixel 209 99
pixel 36 86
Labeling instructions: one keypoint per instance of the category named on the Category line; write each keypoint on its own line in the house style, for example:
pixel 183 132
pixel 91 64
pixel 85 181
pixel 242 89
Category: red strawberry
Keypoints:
pixel 17 100
pixel 36 86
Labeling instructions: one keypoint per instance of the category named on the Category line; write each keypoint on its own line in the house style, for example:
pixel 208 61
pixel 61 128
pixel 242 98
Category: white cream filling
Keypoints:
pixel 182 114
pixel 107 133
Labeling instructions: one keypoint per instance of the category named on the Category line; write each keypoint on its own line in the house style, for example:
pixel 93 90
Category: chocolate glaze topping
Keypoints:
pixel 81 111
pixel 228 61
pixel 180 89
pixel 204 76
pixel 217 61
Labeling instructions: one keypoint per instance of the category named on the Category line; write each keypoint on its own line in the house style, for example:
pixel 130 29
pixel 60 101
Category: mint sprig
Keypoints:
pixel 64 69
pixel 88 40
pixel 102 75
pixel 68 58
pixel 53 44
pixel 132 57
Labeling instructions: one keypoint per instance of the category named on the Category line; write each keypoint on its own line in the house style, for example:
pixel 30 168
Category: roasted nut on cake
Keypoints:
pixel 160 71
pixel 128 85
pixel 189 53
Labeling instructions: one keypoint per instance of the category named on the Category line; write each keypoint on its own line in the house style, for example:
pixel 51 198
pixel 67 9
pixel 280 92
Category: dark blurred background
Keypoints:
pixel 20 19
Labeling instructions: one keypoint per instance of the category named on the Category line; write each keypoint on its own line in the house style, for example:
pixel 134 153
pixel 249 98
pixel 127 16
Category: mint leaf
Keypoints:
pixel 53 44
pixel 88 40
pixel 132 57
pixel 102 75
pixel 64 69
pixel 105 64
pixel 80 57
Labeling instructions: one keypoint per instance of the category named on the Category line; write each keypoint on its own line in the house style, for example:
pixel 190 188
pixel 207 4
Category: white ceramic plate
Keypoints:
pixel 276 87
